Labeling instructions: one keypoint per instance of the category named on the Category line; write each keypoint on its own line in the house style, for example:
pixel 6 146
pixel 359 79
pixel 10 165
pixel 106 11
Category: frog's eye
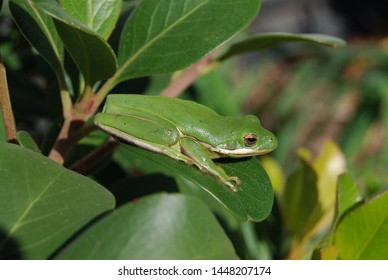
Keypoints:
pixel 250 139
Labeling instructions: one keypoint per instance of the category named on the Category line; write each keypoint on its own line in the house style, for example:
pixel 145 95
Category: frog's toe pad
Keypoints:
pixel 235 179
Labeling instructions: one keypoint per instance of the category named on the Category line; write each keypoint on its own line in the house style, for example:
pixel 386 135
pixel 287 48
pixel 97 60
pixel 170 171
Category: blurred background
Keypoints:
pixel 306 94
pixel 309 94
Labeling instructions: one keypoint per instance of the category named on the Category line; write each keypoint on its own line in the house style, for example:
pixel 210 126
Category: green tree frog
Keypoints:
pixel 185 131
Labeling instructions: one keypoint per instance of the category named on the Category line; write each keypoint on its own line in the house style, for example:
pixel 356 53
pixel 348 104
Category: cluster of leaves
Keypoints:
pixel 325 213
pixel 49 211
pixel 346 102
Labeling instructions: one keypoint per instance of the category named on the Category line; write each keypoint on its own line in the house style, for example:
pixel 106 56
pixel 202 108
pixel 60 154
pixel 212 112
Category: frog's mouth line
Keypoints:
pixel 239 152
pixel 243 152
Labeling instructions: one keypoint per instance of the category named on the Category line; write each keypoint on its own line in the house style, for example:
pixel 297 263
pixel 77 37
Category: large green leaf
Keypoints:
pixel 162 36
pixel 160 226
pixel 187 187
pixel 42 204
pixel 90 52
pixel 100 15
pixel 268 40
pixel 254 198
pixel 39 30
pixel 362 234
pixel 301 206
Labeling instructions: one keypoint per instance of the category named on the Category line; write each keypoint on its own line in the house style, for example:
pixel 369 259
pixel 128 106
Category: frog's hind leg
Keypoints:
pixel 199 155
pixel 145 130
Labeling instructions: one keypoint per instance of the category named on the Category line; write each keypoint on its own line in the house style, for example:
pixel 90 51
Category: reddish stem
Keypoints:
pixel 5 107
pixel 186 78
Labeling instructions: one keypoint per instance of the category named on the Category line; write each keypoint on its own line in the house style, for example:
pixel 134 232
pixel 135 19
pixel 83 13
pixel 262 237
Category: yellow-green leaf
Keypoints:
pixel 362 233
pixel 329 164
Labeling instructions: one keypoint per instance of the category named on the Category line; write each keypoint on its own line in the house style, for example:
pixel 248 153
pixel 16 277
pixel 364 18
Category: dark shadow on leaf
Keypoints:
pixel 10 249
pixel 126 190
pixel 130 189
pixel 78 233
pixel 231 160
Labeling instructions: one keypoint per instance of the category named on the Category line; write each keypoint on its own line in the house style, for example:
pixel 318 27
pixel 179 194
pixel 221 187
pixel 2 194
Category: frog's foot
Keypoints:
pixel 235 179
pixel 230 184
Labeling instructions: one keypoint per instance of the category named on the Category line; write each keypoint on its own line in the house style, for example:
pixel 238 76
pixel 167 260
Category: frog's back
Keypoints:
pixel 172 109
pixel 190 117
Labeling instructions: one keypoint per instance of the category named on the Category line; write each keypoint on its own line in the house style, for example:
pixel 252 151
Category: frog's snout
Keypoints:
pixel 271 142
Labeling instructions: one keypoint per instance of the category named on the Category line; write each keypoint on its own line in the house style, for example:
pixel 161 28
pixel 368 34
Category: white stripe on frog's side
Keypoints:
pixel 237 152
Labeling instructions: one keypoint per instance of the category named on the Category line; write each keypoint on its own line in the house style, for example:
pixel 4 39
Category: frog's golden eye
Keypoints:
pixel 250 139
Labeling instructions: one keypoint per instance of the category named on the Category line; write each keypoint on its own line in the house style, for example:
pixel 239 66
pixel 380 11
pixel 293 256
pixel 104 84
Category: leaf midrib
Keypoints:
pixel 47 33
pixel 370 237
pixel 156 38
pixel 32 203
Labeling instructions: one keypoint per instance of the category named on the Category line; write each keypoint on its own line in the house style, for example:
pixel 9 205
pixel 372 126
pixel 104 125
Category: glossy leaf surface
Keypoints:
pixel 42 204
pixel 160 226
pixel 100 15
pixel 83 44
pixel 162 36
pixel 254 198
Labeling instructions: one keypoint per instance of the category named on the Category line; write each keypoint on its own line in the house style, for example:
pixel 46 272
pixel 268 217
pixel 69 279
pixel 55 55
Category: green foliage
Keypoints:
pixel 338 226
pixel 25 140
pixel 267 40
pixel 99 15
pixel 362 234
pixel 49 211
pixel 39 30
pixel 337 95
pixel 43 204
pixel 145 44
pixel 301 205
pixel 83 42
pixel 348 195
pixel 177 227
pixel 254 200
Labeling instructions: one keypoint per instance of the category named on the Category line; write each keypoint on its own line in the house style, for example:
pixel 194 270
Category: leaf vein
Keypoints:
pixel 156 38
pixel 32 203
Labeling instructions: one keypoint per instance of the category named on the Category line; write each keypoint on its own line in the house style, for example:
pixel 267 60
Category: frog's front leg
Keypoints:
pixel 199 155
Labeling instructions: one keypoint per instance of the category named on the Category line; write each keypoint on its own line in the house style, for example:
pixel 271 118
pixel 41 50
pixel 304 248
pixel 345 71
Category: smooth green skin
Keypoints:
pixel 184 130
